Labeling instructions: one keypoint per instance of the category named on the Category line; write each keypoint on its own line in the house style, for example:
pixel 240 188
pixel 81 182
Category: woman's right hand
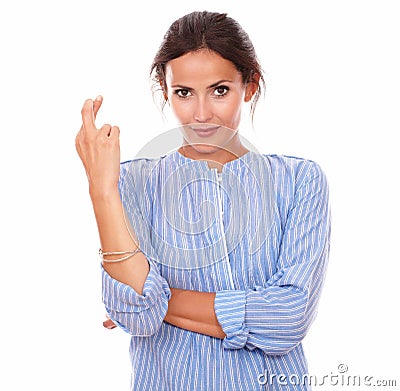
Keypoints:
pixel 99 150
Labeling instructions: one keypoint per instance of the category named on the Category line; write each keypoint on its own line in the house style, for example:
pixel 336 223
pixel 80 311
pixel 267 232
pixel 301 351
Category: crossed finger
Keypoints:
pixel 89 112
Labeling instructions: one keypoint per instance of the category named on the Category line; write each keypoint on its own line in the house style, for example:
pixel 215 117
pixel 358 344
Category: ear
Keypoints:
pixel 252 87
pixel 164 90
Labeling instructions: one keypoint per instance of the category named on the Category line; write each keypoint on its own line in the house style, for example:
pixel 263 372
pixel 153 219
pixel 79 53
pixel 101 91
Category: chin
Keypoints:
pixel 205 148
pixel 207 138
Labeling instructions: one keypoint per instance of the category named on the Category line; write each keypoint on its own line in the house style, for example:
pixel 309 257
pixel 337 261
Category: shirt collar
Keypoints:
pixel 234 165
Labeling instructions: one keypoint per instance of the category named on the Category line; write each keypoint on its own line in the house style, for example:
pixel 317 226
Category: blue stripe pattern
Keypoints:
pixel 258 236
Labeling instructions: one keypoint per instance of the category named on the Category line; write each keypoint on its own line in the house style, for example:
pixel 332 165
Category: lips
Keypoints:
pixel 207 131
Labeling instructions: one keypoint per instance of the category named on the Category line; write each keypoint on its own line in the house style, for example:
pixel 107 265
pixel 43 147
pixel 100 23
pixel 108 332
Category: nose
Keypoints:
pixel 203 110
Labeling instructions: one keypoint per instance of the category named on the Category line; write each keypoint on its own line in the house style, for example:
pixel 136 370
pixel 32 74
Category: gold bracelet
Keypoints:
pixel 128 254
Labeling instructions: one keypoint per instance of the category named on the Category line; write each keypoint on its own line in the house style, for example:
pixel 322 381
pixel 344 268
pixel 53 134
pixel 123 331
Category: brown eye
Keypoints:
pixel 182 93
pixel 221 90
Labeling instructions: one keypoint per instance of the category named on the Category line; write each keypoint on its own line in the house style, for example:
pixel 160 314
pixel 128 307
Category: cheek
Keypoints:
pixel 180 109
pixel 231 109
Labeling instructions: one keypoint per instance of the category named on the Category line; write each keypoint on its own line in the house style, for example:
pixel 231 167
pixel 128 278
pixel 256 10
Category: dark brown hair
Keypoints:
pixel 213 31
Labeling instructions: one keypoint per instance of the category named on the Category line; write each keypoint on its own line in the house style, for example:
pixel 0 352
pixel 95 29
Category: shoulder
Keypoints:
pixel 139 163
pixel 290 163
pixel 136 174
pixel 140 167
pixel 294 171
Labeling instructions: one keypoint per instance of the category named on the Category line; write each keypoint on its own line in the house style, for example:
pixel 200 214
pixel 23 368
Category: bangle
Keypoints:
pixel 127 255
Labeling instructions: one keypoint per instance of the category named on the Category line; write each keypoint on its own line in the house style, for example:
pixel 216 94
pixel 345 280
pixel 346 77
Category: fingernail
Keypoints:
pixel 99 98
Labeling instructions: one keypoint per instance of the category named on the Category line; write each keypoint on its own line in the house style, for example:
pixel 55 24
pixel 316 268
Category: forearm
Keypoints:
pixel 99 151
pixel 116 235
pixel 194 311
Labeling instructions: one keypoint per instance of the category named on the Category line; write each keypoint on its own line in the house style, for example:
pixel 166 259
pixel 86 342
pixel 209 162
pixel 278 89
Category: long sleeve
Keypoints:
pixel 275 317
pixel 138 315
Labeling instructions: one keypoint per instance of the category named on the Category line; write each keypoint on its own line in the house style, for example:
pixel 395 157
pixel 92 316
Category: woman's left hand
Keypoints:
pixel 109 324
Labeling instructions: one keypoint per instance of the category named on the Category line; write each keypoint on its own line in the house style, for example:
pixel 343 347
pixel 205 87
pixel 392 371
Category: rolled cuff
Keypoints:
pixel 120 297
pixel 140 315
pixel 230 309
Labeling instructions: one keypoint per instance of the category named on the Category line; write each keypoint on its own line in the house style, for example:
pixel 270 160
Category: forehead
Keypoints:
pixel 200 67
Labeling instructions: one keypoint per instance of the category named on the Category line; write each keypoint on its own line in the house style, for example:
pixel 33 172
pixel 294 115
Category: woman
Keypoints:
pixel 217 269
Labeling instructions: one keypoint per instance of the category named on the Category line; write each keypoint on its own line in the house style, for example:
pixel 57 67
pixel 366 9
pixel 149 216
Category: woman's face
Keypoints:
pixel 206 92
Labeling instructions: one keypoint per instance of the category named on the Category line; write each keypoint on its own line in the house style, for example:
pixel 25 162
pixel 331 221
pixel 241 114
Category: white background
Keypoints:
pixel 333 95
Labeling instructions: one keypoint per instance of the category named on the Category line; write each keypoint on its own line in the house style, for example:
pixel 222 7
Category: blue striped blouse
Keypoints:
pixel 258 236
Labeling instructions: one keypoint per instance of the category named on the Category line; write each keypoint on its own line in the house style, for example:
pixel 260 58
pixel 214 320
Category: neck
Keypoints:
pixel 216 157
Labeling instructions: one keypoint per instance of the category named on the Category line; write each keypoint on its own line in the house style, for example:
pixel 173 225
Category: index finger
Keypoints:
pixel 88 114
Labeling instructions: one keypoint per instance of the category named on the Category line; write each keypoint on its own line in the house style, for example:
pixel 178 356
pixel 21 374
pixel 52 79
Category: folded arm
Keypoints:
pixel 194 311
pixel 275 317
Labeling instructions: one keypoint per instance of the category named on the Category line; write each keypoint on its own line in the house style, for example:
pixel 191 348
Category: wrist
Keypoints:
pixel 103 194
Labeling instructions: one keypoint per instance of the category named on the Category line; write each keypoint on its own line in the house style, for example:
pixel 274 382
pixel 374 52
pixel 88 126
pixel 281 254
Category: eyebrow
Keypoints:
pixel 210 86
